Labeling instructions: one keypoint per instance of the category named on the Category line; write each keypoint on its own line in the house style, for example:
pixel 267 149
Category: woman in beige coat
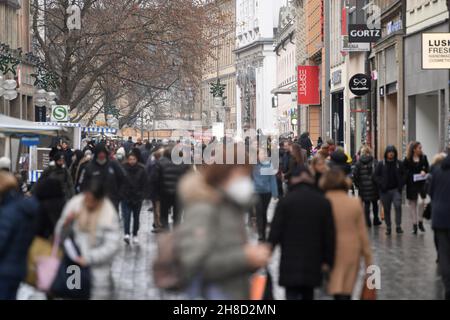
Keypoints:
pixel 352 241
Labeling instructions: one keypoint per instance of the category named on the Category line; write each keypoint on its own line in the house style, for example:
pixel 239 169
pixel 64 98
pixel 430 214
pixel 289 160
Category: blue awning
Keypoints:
pixel 99 130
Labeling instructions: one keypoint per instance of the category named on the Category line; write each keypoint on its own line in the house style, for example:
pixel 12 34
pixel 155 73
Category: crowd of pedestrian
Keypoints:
pixel 324 203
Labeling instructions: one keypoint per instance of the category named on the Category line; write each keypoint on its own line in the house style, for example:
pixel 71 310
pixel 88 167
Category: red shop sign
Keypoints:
pixel 308 85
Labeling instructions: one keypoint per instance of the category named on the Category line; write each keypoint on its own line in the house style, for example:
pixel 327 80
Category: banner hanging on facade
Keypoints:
pixel 308 85
pixel 436 51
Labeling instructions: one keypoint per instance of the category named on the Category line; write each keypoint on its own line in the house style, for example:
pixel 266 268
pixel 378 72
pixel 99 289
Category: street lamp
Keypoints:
pixel 8 88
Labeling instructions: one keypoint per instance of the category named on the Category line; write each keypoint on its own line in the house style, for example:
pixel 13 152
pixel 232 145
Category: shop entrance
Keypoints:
pixel 337 116
pixel 424 121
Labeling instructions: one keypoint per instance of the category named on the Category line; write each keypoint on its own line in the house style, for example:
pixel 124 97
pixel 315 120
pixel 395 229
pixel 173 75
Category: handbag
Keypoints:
pixel 72 281
pixel 47 268
pixel 367 293
pixel 427 212
pixel 261 287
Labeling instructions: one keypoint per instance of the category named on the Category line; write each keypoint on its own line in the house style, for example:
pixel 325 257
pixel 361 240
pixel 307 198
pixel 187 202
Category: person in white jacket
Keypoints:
pixel 97 234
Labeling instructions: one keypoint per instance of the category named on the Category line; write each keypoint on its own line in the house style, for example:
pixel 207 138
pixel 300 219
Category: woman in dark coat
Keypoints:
pixel 306 237
pixel 416 164
pixel 363 177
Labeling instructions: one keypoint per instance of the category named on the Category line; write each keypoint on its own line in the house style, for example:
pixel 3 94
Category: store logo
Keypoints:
pixel 371 30
pixel 360 84
pixel 60 113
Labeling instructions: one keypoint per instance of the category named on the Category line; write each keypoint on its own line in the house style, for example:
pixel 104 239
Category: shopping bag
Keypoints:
pixel 271 209
pixel 260 284
pixel 47 268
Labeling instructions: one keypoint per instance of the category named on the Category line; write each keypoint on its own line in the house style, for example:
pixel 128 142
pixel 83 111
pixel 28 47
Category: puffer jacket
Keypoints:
pixel 166 175
pixel 212 239
pixel 363 177
pixel 136 182
pixel 17 229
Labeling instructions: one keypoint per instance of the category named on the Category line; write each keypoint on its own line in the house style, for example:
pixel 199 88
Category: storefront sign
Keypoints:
pixel 436 51
pixel 360 84
pixel 60 113
pixel 43 158
pixel 394 26
pixel 360 33
pixel 30 140
pixel 308 85
pixel 40 114
pixel 354 47
pixel 336 77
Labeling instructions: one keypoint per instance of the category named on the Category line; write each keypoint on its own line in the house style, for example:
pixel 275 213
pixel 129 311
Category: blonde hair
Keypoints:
pixel 366 151
pixel 437 159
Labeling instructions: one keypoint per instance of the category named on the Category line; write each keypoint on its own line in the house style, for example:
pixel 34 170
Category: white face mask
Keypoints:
pixel 241 190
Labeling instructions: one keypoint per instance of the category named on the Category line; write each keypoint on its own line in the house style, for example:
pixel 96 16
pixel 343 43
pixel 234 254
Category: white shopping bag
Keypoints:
pixel 271 209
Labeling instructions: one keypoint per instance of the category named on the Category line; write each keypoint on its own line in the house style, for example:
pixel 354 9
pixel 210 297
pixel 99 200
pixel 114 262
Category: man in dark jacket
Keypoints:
pixel 17 223
pixel 306 237
pixel 305 143
pixel 390 178
pixel 133 195
pixel 165 177
pixel 59 171
pixel 363 177
pixel 109 171
pixel 440 204
pixel 68 153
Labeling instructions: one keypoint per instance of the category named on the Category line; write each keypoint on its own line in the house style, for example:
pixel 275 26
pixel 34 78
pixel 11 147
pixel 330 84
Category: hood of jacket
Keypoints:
pixel 391 149
pixel 193 188
pixel 446 163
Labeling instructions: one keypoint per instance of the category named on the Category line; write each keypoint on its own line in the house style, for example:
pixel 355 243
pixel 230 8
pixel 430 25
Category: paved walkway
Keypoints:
pixel 407 262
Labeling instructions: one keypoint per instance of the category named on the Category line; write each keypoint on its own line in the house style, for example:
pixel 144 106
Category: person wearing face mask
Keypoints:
pixel 110 172
pixel 133 196
pixel 60 173
pixel 93 220
pixel 213 246
pixel 266 188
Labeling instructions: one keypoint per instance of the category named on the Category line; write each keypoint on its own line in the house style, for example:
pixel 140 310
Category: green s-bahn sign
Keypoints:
pixel 60 113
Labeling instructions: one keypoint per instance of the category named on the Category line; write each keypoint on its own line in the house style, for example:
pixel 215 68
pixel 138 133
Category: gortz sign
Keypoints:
pixel 436 50
pixel 360 84
pixel 360 33
pixel 60 113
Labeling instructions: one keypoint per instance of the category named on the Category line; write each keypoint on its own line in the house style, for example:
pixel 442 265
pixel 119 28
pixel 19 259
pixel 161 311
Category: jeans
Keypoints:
pixel 443 241
pixel 8 288
pixel 388 198
pixel 128 209
pixel 261 214
pixel 367 211
pixel 299 293
pixel 167 202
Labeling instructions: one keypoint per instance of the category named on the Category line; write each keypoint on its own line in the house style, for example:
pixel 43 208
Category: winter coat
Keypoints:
pixel 440 196
pixel 98 250
pixel 111 173
pixel 17 229
pixel 303 226
pixel 264 182
pixel 81 166
pixel 134 191
pixel 128 145
pixel 68 153
pixel 63 176
pixel 166 175
pixel 212 239
pixel 306 144
pixel 382 172
pixel 363 177
pixel 352 242
pixel 51 200
pixel 414 189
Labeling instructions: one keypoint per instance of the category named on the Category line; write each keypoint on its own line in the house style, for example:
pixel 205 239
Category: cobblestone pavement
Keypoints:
pixel 407 263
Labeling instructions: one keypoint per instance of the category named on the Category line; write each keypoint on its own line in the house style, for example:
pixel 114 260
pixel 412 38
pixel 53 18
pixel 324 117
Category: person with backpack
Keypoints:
pixel 389 176
pixel 363 178
pixel 416 165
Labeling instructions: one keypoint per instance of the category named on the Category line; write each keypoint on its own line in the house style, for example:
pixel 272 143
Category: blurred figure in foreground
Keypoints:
pixel 303 226
pixel 352 239
pixel 94 222
pixel 17 222
pixel 266 188
pixel 440 204
pixel 318 167
pixel 59 172
pixel 213 248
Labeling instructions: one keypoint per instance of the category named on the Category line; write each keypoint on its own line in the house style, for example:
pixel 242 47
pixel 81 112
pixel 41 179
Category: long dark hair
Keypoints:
pixel 411 147
pixel 297 154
